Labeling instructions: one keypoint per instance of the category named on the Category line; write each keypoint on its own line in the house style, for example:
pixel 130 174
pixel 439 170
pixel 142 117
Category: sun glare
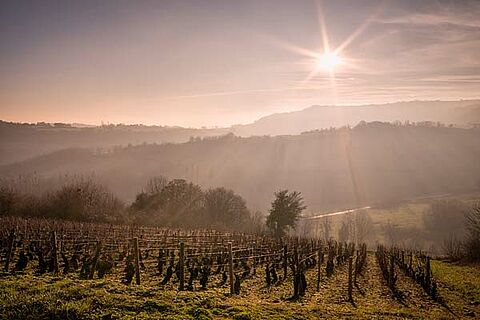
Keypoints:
pixel 328 61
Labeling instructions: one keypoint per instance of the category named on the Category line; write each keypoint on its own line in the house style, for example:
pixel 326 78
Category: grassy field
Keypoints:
pixel 460 284
pixel 406 221
pixel 410 214
pixel 47 297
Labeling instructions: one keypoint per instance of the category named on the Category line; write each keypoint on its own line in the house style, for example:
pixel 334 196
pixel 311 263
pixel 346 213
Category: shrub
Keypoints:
pixel 472 242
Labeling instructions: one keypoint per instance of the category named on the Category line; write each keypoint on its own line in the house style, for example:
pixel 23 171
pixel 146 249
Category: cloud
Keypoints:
pixel 429 19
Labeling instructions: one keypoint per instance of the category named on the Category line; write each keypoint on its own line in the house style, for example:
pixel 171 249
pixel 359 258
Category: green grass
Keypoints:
pixel 30 297
pixel 464 280
pixel 47 297
pixel 404 216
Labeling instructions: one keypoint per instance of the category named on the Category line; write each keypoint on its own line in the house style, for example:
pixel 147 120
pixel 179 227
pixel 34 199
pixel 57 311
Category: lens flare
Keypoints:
pixel 328 61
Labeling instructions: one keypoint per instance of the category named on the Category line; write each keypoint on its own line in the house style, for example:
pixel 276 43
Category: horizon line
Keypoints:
pixel 106 123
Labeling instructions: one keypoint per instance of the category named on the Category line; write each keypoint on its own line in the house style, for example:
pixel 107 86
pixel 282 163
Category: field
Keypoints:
pixel 26 294
pixel 404 222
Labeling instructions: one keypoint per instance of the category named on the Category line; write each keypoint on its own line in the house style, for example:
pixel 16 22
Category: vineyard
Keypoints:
pixel 117 271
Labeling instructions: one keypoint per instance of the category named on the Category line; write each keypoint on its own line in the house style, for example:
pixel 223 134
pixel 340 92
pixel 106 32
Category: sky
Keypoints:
pixel 222 62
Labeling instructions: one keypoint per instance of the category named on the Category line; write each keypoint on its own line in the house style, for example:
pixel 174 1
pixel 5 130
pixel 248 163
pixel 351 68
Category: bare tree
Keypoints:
pixel 472 243
pixel 225 209
pixel 452 247
pixel 363 226
pixel 445 218
pixel 82 199
pixel 155 185
pixel 326 227
pixel 347 231
pixel 257 222
pixel 343 232
pixel 8 199
pixel 390 231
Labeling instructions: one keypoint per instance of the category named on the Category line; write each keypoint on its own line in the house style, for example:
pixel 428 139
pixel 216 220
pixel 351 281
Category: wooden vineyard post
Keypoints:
pixel 137 258
pixel 350 284
pixel 55 252
pixel 319 256
pixel 230 267
pixel 11 242
pixel 181 266
pixel 285 252
pixel 95 260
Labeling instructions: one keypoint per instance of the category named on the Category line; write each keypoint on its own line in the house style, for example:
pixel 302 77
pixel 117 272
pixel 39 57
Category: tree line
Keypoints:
pixel 179 203
pixel 162 202
pixel 456 225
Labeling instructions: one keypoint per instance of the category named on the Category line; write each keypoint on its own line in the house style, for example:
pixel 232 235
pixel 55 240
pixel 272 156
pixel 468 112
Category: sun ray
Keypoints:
pixel 359 30
pixel 322 25
pixel 328 60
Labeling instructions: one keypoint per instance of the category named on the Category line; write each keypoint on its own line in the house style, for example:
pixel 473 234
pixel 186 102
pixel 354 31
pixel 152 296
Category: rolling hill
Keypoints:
pixel 372 163
pixel 22 141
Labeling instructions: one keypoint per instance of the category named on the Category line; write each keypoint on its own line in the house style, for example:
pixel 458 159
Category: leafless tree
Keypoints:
pixel 326 227
pixel 472 243
pixel 390 231
pixel 225 209
pixel 363 226
pixel 257 222
pixel 155 185
pixel 453 248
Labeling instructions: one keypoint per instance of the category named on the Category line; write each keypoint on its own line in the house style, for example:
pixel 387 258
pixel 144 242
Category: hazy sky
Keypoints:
pixel 199 62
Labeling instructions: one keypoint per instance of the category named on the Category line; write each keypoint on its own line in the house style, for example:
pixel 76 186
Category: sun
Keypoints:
pixel 328 61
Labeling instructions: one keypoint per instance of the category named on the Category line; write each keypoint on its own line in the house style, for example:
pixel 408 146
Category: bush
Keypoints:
pixel 8 198
pixel 446 219
pixel 469 248
pixel 453 248
pixel 472 242
pixel 179 203
pixel 223 209
pixel 77 198
pixel 83 200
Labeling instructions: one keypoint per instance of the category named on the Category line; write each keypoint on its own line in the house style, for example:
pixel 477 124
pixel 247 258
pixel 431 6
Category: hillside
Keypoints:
pixel 23 141
pixel 373 163
pixel 318 117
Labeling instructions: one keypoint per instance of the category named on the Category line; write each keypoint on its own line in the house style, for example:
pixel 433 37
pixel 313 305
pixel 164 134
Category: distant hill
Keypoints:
pixel 320 117
pixel 334 169
pixel 22 141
